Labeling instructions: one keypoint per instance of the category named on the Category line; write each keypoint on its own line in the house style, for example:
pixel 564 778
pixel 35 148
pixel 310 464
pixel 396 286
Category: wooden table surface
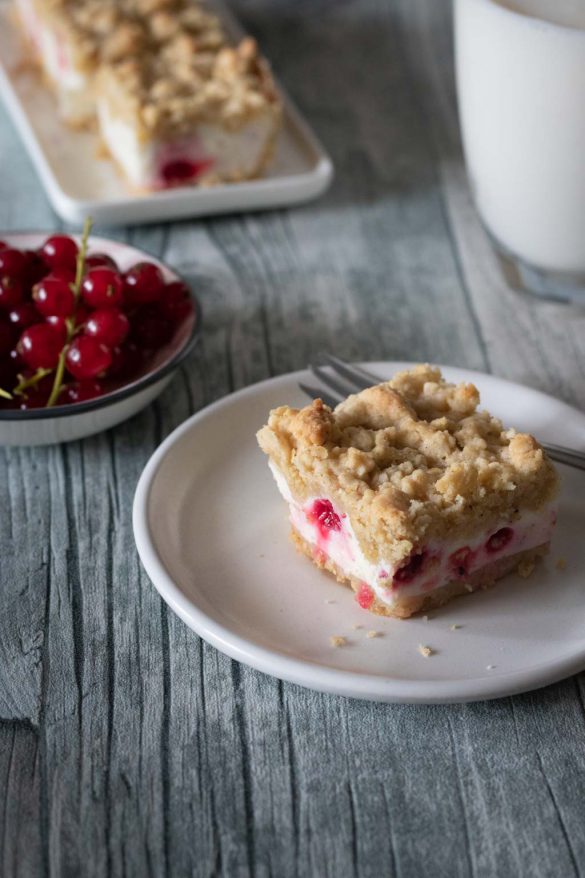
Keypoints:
pixel 131 748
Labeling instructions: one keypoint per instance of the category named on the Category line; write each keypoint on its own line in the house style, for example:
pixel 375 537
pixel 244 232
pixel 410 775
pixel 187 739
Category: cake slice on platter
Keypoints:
pixel 185 114
pixel 175 101
pixel 411 494
pixel 67 51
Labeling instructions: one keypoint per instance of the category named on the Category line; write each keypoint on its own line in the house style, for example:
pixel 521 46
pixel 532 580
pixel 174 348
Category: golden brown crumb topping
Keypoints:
pixel 188 82
pixel 410 460
pixel 166 64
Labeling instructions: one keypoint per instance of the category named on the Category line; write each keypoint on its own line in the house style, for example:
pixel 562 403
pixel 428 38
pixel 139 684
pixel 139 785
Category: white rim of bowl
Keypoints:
pixel 14 416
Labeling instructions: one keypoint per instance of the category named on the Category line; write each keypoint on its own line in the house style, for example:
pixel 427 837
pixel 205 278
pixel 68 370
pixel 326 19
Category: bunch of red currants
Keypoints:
pixel 71 332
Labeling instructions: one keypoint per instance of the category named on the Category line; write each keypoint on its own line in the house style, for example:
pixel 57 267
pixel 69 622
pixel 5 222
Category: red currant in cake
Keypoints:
pixel 102 288
pixel 323 516
pixel 54 296
pixel 108 325
pixel 143 284
pixel 460 561
pixel 40 346
pixel 500 539
pixel 60 251
pixel 365 596
pixel 87 358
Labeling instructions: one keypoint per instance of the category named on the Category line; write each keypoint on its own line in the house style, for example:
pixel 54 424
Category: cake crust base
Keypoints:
pixel 408 606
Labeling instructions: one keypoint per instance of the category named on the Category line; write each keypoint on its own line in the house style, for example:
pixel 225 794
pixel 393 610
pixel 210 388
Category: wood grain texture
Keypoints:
pixel 128 747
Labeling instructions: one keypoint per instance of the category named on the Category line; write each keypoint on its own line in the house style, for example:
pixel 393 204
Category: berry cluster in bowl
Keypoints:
pixel 74 326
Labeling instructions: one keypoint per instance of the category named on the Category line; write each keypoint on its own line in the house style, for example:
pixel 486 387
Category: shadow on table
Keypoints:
pixel 375 84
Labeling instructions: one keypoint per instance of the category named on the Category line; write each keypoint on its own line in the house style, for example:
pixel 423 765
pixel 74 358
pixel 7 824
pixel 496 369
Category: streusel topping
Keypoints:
pixel 410 460
pixel 167 64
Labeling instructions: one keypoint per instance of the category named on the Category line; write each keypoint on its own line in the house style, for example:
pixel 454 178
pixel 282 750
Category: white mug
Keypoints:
pixel 521 90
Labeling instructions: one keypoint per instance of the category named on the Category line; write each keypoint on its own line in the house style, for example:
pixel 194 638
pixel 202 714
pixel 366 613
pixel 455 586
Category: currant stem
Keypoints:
pixel 80 268
pixel 5 395
pixel 25 383
pixel 81 255
pixel 58 381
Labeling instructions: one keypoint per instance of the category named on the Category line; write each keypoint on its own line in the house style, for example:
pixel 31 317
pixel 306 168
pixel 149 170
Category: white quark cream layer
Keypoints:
pixel 211 148
pixel 74 92
pixel 435 565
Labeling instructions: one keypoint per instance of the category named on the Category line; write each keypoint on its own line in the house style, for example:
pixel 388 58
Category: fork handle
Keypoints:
pixel 565 455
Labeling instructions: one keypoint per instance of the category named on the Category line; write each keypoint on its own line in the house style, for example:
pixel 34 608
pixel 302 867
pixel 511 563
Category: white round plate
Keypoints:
pixel 212 533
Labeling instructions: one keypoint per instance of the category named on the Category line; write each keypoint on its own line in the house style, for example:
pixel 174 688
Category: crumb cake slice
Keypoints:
pixel 409 494
pixel 66 52
pixel 194 110
pixel 175 103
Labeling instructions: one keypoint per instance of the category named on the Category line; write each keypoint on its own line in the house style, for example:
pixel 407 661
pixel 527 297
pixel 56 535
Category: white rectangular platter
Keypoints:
pixel 80 183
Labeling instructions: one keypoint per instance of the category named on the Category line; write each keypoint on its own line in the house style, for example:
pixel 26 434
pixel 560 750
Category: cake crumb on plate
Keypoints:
pixel 336 640
pixel 425 651
pixel 372 634
pixel 562 564
pixel 454 627
pixel 526 568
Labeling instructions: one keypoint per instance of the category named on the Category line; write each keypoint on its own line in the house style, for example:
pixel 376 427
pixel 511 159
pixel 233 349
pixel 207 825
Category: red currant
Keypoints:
pixel 63 273
pixel 16 360
pixel 87 358
pixel 11 291
pixel 12 262
pixel 176 302
pixel 175 291
pixel 9 370
pixel 126 361
pixel 143 284
pixel 54 296
pixel 82 313
pixel 150 329
pixel 100 260
pixel 108 325
pixel 60 251
pixel 59 324
pixel 23 315
pixel 36 397
pixel 82 391
pixel 102 288
pixel 34 268
pixel 6 338
pixel 40 346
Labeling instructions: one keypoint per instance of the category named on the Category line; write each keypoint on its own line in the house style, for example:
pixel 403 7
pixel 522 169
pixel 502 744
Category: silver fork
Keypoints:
pixel 341 379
